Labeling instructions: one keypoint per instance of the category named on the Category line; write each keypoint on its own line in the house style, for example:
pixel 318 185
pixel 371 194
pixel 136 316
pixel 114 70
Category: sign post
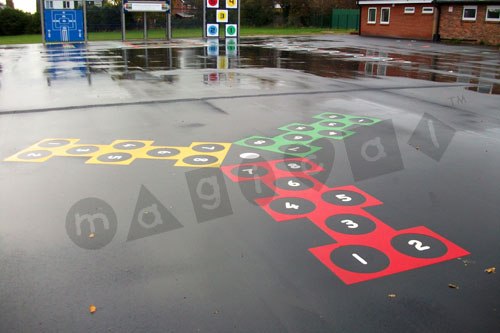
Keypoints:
pixel 63 21
pixel 227 18
pixel 145 6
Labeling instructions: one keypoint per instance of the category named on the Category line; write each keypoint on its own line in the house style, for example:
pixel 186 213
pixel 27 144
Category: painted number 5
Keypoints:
pixel 343 197
pixel 418 245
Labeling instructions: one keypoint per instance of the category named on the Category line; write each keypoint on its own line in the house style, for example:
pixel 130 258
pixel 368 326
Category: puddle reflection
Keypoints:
pixel 480 72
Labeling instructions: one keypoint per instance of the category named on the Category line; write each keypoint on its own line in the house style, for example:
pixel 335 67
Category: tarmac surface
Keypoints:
pixel 309 184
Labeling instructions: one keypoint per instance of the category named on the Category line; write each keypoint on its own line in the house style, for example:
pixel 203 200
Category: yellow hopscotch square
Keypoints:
pixel 204 155
pixel 82 150
pixel 162 153
pixel 120 152
pixel 42 151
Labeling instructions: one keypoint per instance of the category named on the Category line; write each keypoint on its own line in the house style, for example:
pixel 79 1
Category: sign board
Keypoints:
pixel 232 4
pixel 146 6
pixel 63 25
pixel 212 30
pixel 231 30
pixel 212 3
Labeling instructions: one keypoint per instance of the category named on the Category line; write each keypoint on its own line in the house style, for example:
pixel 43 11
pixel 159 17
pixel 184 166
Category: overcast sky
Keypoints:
pixel 26 5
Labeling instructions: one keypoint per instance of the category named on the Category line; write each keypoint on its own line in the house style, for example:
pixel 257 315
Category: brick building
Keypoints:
pixel 473 20
pixel 415 19
pixel 477 21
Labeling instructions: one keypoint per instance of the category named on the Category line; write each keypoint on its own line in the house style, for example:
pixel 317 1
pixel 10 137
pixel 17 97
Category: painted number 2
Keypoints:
pixel 418 245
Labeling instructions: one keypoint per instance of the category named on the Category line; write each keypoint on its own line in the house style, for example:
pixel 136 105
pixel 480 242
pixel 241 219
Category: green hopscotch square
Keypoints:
pixel 325 115
pixel 316 129
pixel 346 118
pixel 321 127
pixel 276 145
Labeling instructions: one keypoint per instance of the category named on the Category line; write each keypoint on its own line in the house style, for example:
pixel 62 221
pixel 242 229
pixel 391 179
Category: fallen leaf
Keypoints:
pixel 391 295
pixel 92 308
pixel 454 286
pixel 92 235
pixel 490 270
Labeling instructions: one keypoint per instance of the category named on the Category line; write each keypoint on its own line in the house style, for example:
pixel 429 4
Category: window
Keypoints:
pixel 493 13
pixel 409 10
pixel 469 13
pixel 427 10
pixel 384 15
pixel 49 5
pixel 372 15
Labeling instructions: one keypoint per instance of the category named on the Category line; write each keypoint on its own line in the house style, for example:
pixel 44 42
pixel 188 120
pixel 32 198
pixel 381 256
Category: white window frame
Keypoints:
pixel 469 18
pixel 492 19
pixel 368 18
pixel 388 17
pixel 409 10
pixel 427 10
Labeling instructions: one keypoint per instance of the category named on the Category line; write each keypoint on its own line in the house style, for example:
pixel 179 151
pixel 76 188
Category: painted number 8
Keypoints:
pixel 200 159
pixel 293 166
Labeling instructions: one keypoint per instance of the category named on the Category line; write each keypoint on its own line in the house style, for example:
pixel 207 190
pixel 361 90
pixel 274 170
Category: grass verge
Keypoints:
pixel 178 33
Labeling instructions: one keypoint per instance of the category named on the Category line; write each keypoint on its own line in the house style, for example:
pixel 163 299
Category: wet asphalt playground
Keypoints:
pixel 309 184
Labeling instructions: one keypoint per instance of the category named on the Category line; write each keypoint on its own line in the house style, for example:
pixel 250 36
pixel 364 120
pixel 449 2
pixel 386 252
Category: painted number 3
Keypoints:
pixel 350 224
pixel 418 245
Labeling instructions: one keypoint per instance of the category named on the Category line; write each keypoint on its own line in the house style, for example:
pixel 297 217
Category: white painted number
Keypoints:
pixel 343 197
pixel 259 142
pixel 129 145
pixel 249 171
pixel 208 148
pixel 294 148
pixel 200 159
pixel 418 245
pixel 358 258
pixel 300 128
pixel 298 137
pixel 293 184
pixel 115 157
pixel 350 224
pixel 34 155
pixel 82 150
pixel 163 152
pixel 291 206
pixel 293 166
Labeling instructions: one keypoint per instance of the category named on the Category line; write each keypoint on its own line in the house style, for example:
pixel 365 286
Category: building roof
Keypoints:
pixel 389 2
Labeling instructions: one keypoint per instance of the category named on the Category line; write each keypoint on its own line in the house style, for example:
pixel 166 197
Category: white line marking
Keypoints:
pixel 358 258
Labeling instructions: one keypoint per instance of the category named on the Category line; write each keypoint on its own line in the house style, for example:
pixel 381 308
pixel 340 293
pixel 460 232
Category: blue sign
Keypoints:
pixel 64 25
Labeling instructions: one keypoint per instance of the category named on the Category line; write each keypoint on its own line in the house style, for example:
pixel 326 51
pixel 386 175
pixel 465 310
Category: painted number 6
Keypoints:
pixel 418 245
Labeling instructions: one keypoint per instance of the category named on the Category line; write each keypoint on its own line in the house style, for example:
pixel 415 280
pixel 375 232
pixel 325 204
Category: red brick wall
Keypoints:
pixel 401 25
pixel 452 26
